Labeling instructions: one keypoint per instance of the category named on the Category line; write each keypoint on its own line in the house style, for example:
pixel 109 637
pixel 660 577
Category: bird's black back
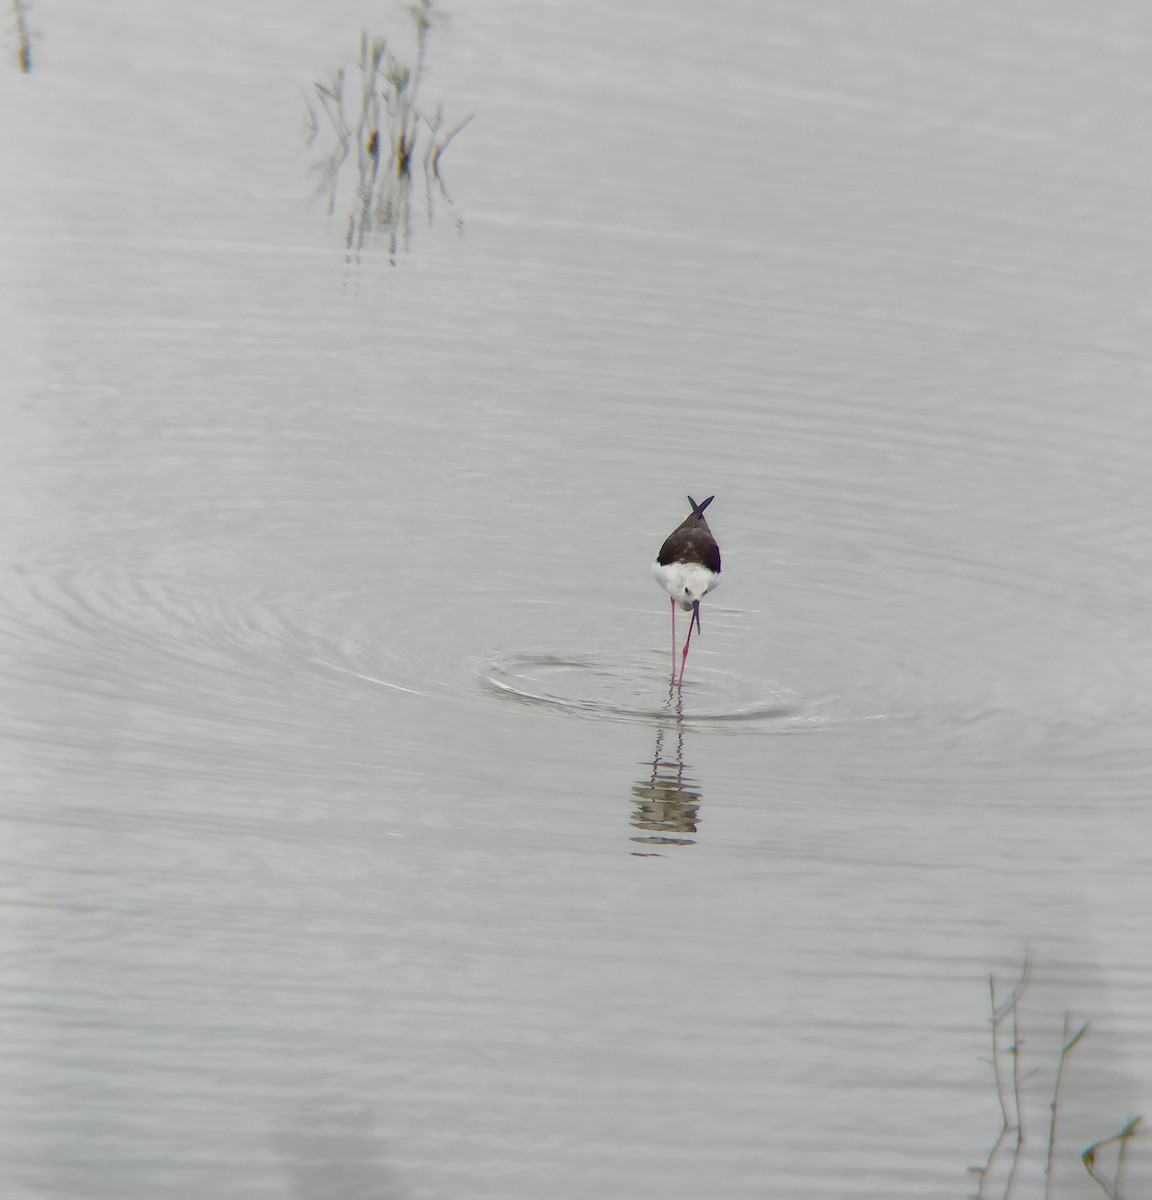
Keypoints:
pixel 692 541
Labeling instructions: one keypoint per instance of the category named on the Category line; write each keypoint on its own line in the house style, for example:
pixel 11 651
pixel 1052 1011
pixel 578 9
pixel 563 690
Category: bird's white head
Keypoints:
pixel 686 583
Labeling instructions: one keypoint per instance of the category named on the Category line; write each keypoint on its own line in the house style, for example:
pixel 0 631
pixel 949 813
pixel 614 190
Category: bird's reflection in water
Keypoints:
pixel 668 800
pixel 332 1150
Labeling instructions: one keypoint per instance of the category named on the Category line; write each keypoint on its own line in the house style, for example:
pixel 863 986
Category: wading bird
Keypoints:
pixel 688 568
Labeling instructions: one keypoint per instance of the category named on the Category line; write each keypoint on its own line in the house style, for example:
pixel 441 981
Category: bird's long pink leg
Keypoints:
pixel 673 639
pixel 684 656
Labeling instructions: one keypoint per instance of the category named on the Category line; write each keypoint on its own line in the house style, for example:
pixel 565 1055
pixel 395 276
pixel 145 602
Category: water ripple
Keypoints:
pixel 636 687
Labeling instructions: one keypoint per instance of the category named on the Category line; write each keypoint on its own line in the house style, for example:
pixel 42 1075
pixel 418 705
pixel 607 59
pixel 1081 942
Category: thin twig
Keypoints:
pixel 445 142
pixel 1111 1190
pixel 1066 1048
pixel 1010 1121
pixel 1014 1050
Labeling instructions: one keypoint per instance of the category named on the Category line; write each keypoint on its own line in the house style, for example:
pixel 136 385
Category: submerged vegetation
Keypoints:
pixel 379 116
pixel 1010 1075
pixel 23 41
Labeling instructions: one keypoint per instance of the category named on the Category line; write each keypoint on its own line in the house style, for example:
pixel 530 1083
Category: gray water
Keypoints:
pixel 355 845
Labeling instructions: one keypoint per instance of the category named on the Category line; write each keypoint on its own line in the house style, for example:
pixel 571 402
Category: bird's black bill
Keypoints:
pixel 696 618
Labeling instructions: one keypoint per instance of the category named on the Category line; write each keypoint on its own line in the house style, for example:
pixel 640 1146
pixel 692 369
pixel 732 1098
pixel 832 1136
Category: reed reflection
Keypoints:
pixel 382 120
pixel 667 802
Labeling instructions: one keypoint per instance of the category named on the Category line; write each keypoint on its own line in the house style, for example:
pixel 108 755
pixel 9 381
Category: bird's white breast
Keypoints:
pixel 685 582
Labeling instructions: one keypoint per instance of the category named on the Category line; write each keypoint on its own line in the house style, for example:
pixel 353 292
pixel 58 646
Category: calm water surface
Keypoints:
pixel 354 844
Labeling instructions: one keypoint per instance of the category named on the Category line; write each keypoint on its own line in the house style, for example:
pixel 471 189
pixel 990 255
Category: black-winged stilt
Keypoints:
pixel 688 568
